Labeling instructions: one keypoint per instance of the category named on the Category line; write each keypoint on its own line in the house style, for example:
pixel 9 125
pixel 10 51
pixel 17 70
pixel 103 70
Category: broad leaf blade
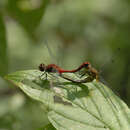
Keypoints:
pixel 75 106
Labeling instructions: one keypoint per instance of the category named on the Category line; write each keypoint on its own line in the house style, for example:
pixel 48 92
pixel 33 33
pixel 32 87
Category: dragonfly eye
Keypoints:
pixel 86 64
pixel 42 67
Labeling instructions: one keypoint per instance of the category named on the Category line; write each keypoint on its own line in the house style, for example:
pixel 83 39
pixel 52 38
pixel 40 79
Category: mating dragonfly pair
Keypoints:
pixel 89 70
pixel 91 73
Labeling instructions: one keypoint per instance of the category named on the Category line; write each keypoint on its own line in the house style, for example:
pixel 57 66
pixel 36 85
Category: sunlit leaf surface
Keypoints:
pixel 70 106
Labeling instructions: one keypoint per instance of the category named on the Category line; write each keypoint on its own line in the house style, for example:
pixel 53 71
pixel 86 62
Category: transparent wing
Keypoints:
pixel 104 82
pixel 55 52
pixel 60 55
pixel 111 59
pixel 53 57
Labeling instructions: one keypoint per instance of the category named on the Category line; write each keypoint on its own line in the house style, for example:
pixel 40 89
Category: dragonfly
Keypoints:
pixel 53 68
pixel 90 71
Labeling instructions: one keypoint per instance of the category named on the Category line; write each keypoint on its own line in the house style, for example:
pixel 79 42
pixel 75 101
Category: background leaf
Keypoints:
pixel 48 127
pixel 74 106
pixel 3 48
pixel 29 17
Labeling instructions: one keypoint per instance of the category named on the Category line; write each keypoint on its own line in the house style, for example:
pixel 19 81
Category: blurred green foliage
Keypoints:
pixel 3 48
pixel 76 31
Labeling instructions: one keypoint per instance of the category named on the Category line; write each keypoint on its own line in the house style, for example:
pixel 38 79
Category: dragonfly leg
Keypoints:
pixel 42 75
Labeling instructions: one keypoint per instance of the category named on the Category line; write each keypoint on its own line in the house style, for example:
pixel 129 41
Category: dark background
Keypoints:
pixel 74 31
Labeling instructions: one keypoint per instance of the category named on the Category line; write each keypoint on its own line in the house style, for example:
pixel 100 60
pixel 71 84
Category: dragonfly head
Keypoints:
pixel 42 67
pixel 87 65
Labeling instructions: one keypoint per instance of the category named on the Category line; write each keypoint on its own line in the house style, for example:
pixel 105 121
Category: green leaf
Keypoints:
pixel 29 17
pixel 47 127
pixel 69 105
pixel 3 48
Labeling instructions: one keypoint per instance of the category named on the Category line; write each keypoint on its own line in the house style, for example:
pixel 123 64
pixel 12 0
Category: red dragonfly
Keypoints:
pixel 91 72
pixel 52 68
